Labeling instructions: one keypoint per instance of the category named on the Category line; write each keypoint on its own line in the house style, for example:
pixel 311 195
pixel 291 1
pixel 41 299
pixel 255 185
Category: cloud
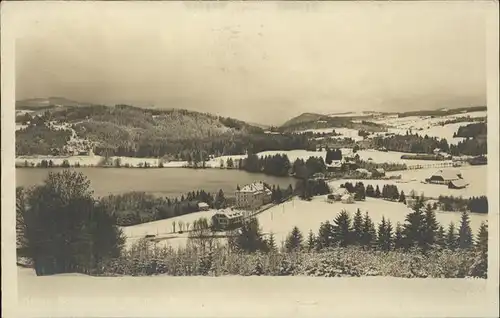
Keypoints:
pixel 259 62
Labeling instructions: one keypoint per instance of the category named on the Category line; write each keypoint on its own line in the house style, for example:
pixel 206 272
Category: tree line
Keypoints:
pixel 389 191
pixel 473 204
pixel 471 130
pixel 63 229
pixel 420 230
pixel 412 143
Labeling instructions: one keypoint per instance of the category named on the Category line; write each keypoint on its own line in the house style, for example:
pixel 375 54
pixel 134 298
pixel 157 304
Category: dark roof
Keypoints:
pixel 460 183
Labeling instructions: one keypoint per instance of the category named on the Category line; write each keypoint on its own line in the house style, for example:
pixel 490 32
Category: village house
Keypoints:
pixel 203 206
pixel 226 219
pixel 347 198
pixel 318 176
pixel 363 173
pixel 458 184
pixel 444 176
pixel 253 196
pixel 335 165
pixel 378 173
pixel 337 195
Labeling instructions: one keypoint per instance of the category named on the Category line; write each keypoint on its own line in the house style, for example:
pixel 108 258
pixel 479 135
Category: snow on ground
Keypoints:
pixel 445 132
pixel 343 132
pixel 84 161
pixel 375 155
pixel 477 177
pixel 90 161
pixel 308 215
pixel 428 125
pixel 163 228
pixel 262 296
pixel 393 157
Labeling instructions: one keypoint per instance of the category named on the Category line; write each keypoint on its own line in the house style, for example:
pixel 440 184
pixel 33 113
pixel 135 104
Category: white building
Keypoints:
pixel 253 196
pixel 225 219
pixel 203 206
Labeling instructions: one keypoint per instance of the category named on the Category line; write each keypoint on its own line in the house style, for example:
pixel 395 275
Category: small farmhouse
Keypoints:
pixel 444 176
pixel 378 173
pixel 203 206
pixel 227 219
pixel 337 194
pixel 363 172
pixel 458 184
pixel 347 199
pixel 318 176
pixel 335 165
pixel 253 196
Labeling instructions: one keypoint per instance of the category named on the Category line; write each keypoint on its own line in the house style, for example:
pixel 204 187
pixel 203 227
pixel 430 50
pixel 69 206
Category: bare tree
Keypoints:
pixel 173 226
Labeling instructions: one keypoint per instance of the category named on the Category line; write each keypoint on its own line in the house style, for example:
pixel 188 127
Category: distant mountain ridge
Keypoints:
pixel 344 119
pixel 47 103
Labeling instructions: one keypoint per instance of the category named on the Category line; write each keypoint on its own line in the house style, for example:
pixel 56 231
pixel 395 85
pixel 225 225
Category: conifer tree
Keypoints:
pixel 63 228
pixel 395 193
pixel 294 240
pixel 369 232
pixel 381 243
pixel 402 197
pixel 324 238
pixel 385 192
pixel 398 237
pixel 430 227
pixel 370 192
pixel 389 235
pixel 440 237
pixel 249 237
pixel 271 243
pixel 451 237
pixel 357 228
pixel 377 192
pixel 360 193
pixel 220 200
pixel 465 232
pixel 342 229
pixel 311 241
pixel 482 238
pixel 413 227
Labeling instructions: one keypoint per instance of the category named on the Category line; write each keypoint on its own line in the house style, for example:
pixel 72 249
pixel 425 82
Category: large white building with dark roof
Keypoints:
pixel 253 196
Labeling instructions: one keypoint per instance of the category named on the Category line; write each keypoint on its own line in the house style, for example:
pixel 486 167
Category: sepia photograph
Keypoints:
pixel 202 148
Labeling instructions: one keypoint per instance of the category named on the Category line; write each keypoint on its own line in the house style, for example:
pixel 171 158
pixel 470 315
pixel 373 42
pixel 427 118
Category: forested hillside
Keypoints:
pixel 131 131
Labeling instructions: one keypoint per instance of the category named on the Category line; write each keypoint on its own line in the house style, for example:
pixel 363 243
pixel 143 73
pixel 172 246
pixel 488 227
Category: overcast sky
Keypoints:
pixel 260 62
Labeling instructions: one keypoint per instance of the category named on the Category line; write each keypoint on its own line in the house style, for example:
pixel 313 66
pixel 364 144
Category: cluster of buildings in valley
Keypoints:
pixel 249 199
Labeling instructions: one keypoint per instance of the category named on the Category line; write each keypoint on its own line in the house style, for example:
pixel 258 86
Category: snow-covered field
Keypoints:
pixel 308 215
pixel 437 131
pixel 426 125
pixel 73 295
pixel 477 177
pixel 343 133
pixel 417 122
pixel 163 228
pixel 375 155
pixel 89 161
